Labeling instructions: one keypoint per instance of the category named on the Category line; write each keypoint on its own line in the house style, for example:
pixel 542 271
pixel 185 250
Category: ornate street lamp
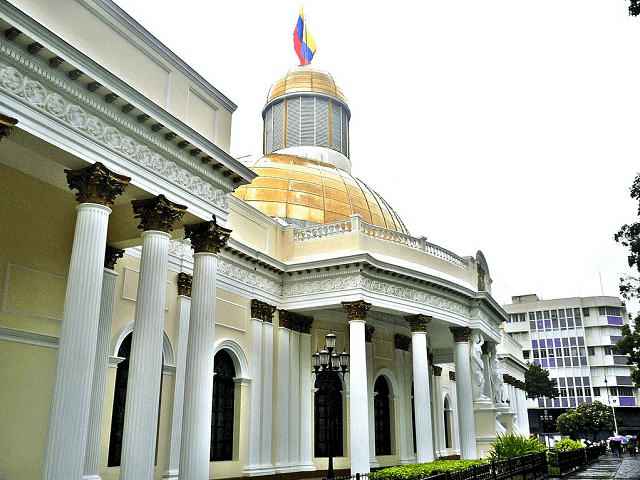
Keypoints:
pixel 546 420
pixel 330 365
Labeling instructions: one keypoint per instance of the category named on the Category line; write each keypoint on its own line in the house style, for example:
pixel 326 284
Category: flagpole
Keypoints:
pixel 304 30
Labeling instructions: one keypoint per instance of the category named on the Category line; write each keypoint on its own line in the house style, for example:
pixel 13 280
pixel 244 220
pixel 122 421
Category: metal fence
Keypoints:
pixel 534 466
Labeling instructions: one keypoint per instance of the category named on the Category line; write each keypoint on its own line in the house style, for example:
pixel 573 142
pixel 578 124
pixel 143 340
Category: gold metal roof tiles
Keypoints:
pixel 302 79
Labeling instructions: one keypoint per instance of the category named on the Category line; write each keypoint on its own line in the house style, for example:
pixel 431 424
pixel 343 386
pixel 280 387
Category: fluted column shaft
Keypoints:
pixel 524 413
pixel 438 407
pixel 255 424
pixel 421 397
pixel 358 400
pixel 198 384
pixel 455 434
pixel 64 456
pixel 306 415
pixel 100 374
pixel 282 462
pixel 401 403
pixel 294 399
pixel 184 309
pixel 145 367
pixel 466 420
pixel 370 394
pixel 267 396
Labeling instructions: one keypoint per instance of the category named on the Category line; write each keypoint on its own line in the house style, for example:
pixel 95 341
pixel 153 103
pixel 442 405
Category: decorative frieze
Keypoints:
pixel 262 310
pixel 460 334
pixel 101 129
pixel 184 284
pixel 418 323
pixel 111 256
pixel 356 310
pixel 295 321
pixel 249 278
pixel 157 213
pixel 402 342
pixel 452 376
pixel 368 333
pixel 96 184
pixel 207 236
pixel 6 125
pixel 437 371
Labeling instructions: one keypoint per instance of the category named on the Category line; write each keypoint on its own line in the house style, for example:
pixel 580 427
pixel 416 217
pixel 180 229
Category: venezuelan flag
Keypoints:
pixel 303 42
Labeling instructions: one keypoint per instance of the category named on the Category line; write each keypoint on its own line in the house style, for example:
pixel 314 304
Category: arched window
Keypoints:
pixel 119 399
pixel 119 404
pixel 328 416
pixel 447 423
pixel 222 408
pixel 382 416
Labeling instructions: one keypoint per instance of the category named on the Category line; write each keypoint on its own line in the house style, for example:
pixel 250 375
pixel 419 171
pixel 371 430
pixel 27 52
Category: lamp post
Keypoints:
pixel 330 365
pixel 615 422
pixel 546 420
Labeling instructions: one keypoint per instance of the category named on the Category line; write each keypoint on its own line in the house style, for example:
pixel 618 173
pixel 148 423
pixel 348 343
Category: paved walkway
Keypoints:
pixel 609 467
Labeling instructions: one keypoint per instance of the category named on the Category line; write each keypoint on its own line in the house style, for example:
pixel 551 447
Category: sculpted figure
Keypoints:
pixel 497 383
pixel 477 367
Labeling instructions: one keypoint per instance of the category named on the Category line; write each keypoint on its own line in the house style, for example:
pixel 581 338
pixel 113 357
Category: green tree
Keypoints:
pixel 634 8
pixel 629 345
pixel 587 419
pixel 629 236
pixel 538 384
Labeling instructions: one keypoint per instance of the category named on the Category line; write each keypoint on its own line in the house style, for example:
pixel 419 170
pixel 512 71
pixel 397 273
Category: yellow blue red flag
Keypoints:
pixel 303 42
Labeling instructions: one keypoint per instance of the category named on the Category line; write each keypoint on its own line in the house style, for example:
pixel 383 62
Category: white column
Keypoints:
pixel 100 375
pixel 441 449
pixel 184 309
pixel 64 456
pixel 358 393
pixel 466 420
pixel 282 462
pixel 455 433
pixel 488 380
pixel 373 463
pixel 255 412
pixel 433 407
pixel 294 399
pixel 401 401
pixel 267 398
pixel 306 415
pixel 408 363
pixel 421 394
pixel 145 364
pixel 198 385
pixel 524 415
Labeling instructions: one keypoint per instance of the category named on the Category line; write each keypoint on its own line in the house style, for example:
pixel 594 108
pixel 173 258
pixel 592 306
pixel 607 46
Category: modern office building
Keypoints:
pixel 574 339
pixel 161 300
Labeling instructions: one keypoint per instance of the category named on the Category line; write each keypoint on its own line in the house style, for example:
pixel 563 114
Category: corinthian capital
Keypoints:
pixel 96 184
pixel 111 256
pixel 418 323
pixel 184 284
pixel 6 125
pixel 207 237
pixel 157 213
pixel 460 334
pixel 356 310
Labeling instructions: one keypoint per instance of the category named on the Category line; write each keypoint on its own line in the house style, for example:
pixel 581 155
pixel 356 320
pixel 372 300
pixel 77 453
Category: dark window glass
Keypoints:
pixel 538 315
pixel 525 354
pixel 596 391
pixel 554 322
pixel 561 313
pixel 382 417
pixel 607 350
pixel 532 316
pixel 447 424
pixel 585 312
pixel 563 322
pixel 328 416
pixel 591 350
pixel 546 315
pixel 222 407
pixel 523 317
pixel 602 311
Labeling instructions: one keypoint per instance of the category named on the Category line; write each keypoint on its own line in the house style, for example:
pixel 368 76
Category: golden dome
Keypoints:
pixel 302 79
pixel 303 189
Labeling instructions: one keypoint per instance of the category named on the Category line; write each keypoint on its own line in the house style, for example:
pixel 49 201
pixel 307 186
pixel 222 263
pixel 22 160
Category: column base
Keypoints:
pixel 258 470
pixel 91 477
pixel 170 474
pixel 373 464
pixel 407 461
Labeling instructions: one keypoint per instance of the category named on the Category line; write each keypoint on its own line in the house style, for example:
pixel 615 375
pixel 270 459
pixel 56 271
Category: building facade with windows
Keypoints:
pixel 574 339
pixel 161 300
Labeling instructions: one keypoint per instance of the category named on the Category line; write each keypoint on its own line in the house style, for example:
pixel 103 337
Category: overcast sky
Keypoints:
pixel 498 125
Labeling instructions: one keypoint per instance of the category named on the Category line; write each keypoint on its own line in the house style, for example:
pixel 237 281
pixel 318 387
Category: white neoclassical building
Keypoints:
pixel 161 300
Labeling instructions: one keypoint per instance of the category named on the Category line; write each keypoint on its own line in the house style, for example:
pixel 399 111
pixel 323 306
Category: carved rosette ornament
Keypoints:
pixel 111 256
pixel 368 333
pixel 418 323
pixel 207 237
pixel 460 334
pixel 157 213
pixel 184 284
pixel 402 342
pixel 452 376
pixel 6 125
pixel 437 371
pixel 96 184
pixel 262 311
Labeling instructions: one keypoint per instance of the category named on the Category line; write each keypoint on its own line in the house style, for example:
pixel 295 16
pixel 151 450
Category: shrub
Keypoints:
pixel 422 470
pixel 511 445
pixel 567 444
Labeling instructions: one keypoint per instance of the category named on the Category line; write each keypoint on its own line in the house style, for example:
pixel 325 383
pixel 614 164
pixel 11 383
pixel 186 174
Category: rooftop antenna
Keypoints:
pixel 601 289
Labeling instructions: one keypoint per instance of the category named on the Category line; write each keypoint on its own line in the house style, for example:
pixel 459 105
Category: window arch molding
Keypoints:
pixel 240 362
pixel 167 349
pixel 391 379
